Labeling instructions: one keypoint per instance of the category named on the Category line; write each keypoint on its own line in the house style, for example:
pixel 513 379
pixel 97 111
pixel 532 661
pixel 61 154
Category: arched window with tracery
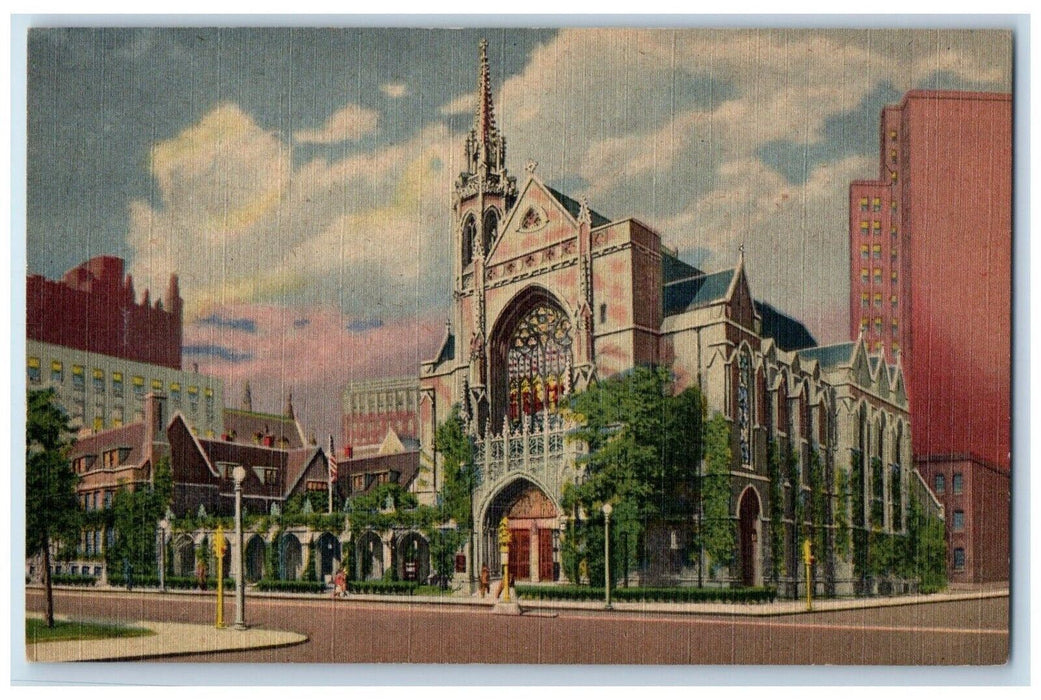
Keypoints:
pixel 538 361
pixel 744 406
pixel 469 240
pixel 491 224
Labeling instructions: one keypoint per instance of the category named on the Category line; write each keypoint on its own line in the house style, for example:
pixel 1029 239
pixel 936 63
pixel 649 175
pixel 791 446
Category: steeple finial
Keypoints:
pixel 247 397
pixel 290 413
pixel 484 122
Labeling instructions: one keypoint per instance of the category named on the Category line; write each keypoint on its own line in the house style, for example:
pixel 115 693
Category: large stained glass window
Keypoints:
pixel 538 361
pixel 744 407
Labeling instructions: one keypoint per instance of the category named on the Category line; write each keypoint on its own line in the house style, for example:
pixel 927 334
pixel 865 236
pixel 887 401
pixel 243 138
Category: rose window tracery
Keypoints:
pixel 538 360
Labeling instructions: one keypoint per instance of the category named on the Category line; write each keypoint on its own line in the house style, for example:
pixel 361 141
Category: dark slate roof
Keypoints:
pixel 673 269
pixel 447 351
pixel 830 355
pixel 574 207
pixel 131 435
pixel 246 424
pixel 693 292
pixel 788 333
pixel 406 464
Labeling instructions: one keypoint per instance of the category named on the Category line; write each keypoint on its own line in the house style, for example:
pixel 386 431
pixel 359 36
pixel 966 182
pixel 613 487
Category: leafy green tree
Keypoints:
pixel 459 480
pixel 135 517
pixel 717 529
pixel 776 534
pixel 645 448
pixel 52 511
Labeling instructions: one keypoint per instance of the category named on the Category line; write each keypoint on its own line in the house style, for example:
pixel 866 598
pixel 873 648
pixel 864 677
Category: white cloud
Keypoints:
pixel 464 104
pixel 362 234
pixel 394 90
pixel 347 124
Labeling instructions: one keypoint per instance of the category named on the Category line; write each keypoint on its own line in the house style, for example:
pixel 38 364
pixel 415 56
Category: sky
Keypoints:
pixel 298 180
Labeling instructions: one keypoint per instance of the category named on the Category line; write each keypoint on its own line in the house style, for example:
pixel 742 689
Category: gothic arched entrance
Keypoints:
pixel 413 562
pixel 368 556
pixel 184 555
pixel 255 551
pixel 534 522
pixel 327 556
pixel 290 556
pixel 748 519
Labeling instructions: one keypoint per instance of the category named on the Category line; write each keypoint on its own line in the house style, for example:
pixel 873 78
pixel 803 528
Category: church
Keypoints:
pixel 549 297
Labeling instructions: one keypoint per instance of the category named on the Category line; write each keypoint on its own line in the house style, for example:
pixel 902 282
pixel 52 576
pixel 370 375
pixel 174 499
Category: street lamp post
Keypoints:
pixel 164 524
pixel 239 474
pixel 607 555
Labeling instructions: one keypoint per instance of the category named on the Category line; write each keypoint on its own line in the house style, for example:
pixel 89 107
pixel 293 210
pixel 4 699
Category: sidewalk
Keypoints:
pixel 779 607
pixel 170 639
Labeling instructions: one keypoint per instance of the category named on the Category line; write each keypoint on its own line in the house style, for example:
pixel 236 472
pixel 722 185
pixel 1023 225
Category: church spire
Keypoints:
pixel 484 120
pixel 485 146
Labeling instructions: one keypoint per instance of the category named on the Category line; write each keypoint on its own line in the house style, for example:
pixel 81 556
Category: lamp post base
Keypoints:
pixel 504 608
pixel 240 626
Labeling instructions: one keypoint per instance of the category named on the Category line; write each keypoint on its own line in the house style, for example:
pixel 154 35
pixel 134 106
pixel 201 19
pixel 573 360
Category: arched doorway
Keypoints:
pixel 255 550
pixel 369 556
pixel 533 521
pixel 289 557
pixel 184 555
pixel 413 558
pixel 531 358
pixel 328 555
pixel 748 519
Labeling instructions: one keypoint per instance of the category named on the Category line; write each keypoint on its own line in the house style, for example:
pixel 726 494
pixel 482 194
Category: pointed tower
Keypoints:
pixel 482 195
pixel 290 413
pixel 247 398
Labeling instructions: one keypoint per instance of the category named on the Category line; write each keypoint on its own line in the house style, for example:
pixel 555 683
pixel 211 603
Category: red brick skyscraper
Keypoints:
pixel 930 265
pixel 930 278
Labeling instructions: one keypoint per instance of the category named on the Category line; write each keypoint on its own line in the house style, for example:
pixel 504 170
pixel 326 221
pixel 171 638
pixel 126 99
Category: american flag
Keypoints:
pixel 332 460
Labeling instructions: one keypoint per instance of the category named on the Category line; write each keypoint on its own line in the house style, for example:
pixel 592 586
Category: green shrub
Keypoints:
pixel 657 595
pixel 384 587
pixel 290 586
pixel 73 580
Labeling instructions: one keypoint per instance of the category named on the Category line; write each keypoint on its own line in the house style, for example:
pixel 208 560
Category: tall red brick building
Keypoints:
pixel 930 282
pixel 93 307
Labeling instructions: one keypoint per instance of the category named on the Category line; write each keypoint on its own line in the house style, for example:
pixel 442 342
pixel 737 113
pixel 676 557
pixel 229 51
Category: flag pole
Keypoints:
pixel 331 469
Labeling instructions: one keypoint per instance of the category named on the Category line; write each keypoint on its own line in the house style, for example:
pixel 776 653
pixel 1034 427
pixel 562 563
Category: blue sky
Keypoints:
pixel 291 176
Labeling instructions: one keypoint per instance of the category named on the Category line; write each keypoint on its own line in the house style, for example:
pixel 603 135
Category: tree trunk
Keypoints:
pixel 47 581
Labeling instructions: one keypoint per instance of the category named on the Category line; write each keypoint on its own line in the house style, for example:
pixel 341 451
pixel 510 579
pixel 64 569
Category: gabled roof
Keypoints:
pixel 447 349
pixel 830 355
pixel 674 269
pixel 246 424
pixel 694 292
pixel 131 435
pixel 574 208
pixel 297 462
pixel 789 333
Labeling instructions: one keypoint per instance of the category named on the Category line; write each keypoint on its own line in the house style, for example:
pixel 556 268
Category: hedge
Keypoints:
pixel 73 580
pixel 175 582
pixel 290 586
pixel 660 595
pixel 383 587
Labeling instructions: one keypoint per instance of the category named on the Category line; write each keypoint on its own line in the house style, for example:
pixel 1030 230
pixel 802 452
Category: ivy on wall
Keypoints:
pixel 776 533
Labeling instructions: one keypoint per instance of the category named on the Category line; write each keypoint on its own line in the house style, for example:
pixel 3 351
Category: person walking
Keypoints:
pixel 485 580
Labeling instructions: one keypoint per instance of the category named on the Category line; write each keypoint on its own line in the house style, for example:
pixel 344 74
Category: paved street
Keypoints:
pixel 963 632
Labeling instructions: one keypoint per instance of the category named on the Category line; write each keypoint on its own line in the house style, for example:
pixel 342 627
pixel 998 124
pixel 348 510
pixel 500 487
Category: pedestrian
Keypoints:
pixel 340 589
pixel 485 580
pixel 200 574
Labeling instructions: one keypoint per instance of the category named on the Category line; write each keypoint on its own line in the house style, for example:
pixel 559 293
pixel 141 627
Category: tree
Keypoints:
pixel 717 529
pixel 52 511
pixel 135 514
pixel 459 480
pixel 645 447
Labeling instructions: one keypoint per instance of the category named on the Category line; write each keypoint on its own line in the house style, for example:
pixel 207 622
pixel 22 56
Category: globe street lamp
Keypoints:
pixel 239 474
pixel 607 554
pixel 164 525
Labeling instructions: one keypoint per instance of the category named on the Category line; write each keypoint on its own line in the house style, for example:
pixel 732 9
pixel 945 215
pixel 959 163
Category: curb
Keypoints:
pixel 755 610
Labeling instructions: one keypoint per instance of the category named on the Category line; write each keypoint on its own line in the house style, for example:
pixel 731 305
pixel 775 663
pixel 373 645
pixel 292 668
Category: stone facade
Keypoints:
pixel 551 296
